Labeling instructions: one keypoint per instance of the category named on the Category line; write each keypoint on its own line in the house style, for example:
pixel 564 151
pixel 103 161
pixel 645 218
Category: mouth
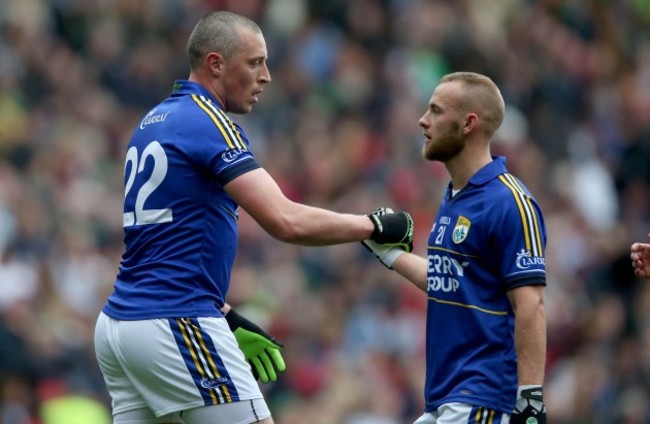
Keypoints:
pixel 256 94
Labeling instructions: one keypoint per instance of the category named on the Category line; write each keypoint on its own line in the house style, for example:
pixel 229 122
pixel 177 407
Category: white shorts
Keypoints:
pixel 463 413
pixel 173 365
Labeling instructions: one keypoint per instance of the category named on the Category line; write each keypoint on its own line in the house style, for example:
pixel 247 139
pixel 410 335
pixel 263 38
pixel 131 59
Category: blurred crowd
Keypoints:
pixel 337 128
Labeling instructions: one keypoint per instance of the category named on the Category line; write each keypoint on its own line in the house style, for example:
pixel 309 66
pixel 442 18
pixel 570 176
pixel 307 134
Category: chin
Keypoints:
pixel 242 110
pixel 430 154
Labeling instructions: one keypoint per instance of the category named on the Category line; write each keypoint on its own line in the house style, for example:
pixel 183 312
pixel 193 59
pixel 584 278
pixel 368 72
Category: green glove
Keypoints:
pixel 260 350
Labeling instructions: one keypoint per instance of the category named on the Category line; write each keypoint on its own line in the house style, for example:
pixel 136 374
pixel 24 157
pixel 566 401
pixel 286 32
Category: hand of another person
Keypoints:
pixel 530 408
pixel 394 229
pixel 260 350
pixel 640 255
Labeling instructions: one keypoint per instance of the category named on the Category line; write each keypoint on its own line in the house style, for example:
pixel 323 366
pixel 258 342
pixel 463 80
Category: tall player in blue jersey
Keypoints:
pixel 484 273
pixel 166 341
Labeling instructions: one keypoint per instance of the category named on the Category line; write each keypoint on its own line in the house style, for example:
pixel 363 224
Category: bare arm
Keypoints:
pixel 260 196
pixel 413 268
pixel 530 333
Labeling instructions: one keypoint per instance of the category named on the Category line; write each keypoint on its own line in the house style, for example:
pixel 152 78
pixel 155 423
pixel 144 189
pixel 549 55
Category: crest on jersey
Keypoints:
pixel 461 229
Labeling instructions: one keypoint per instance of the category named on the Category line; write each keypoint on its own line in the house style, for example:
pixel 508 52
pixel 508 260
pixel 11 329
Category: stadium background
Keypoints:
pixel 337 127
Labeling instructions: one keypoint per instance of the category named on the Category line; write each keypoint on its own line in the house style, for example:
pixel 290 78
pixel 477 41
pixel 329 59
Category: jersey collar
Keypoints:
pixel 489 171
pixel 186 88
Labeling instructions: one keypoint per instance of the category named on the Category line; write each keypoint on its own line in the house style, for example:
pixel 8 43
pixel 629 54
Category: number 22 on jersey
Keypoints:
pixel 142 216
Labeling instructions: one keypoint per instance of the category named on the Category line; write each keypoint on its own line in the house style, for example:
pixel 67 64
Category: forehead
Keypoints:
pixel 251 42
pixel 446 94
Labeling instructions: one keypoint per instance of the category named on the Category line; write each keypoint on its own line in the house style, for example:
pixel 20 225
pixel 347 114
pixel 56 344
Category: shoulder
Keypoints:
pixel 208 120
pixel 202 111
pixel 508 188
pixel 508 197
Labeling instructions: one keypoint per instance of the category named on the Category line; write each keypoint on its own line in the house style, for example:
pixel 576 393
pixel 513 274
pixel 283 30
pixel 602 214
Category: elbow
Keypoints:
pixel 283 229
pixel 287 235
pixel 284 222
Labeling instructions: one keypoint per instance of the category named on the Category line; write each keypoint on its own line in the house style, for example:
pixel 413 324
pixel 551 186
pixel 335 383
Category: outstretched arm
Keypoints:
pixel 261 197
pixel 640 255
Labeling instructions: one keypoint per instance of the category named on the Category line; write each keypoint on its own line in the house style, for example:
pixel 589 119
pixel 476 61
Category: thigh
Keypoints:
pixel 124 396
pixel 426 418
pixel 181 364
pixel 243 412
pixel 145 416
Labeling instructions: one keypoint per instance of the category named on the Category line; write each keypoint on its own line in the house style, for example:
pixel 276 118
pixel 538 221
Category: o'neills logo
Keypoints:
pixel 153 118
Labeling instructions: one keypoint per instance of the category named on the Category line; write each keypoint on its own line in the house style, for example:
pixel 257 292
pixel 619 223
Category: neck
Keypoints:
pixel 464 166
pixel 208 84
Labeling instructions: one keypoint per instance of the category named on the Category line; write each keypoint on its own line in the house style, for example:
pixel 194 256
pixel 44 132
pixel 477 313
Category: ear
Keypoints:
pixel 214 63
pixel 471 120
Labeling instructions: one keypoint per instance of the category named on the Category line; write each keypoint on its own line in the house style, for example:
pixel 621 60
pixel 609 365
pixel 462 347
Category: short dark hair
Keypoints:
pixel 216 32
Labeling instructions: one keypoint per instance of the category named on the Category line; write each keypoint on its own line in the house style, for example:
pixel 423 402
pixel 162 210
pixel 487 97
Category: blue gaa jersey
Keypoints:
pixel 487 239
pixel 180 226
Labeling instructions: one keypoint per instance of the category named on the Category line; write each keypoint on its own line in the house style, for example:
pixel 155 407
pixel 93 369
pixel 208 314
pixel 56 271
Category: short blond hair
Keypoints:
pixel 482 97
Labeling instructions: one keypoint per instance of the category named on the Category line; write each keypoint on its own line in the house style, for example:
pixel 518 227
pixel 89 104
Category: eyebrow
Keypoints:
pixel 434 105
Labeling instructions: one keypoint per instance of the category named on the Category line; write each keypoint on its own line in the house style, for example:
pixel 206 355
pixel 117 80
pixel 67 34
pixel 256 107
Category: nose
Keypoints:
pixel 265 75
pixel 423 121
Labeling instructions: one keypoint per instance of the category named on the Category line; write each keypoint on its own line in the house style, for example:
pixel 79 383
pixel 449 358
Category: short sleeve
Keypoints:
pixel 217 145
pixel 519 235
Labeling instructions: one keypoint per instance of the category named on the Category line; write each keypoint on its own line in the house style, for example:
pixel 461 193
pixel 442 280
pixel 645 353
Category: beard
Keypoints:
pixel 446 146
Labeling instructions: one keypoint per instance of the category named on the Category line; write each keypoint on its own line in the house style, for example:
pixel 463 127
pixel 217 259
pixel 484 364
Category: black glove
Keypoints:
pixel 530 407
pixel 260 350
pixel 394 229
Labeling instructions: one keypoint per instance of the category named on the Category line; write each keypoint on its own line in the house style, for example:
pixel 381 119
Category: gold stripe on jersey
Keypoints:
pixel 531 208
pixel 209 109
pixel 195 358
pixel 230 125
pixel 465 305
pixel 452 251
pixel 528 216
